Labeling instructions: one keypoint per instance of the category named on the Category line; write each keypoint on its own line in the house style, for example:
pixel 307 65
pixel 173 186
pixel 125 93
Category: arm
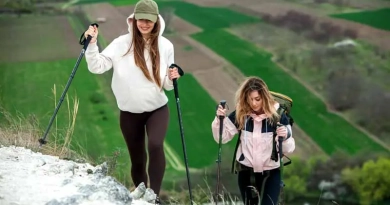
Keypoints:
pixel 289 142
pixel 168 84
pixel 229 129
pixel 99 63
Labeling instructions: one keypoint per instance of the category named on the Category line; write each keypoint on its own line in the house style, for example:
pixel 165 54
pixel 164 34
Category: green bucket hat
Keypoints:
pixel 146 9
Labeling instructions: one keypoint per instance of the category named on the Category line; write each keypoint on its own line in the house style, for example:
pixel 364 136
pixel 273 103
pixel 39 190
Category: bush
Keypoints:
pixel 326 175
pixel 372 111
pixel 344 89
pixel 370 181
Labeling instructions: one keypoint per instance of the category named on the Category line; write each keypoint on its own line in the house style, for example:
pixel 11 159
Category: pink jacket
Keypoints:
pixel 256 140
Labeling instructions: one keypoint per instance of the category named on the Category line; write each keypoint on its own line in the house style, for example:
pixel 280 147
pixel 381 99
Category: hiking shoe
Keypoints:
pixel 139 191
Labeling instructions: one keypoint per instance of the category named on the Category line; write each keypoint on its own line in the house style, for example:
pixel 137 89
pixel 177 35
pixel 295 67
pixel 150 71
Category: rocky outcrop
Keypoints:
pixel 29 178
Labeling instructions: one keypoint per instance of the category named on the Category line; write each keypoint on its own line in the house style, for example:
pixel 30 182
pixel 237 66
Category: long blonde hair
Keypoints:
pixel 242 100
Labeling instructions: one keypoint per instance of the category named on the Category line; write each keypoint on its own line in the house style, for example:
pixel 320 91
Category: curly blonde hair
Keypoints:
pixel 243 107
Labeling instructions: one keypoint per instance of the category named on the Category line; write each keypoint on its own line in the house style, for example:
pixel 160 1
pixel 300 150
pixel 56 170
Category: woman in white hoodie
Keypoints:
pixel 141 61
pixel 253 120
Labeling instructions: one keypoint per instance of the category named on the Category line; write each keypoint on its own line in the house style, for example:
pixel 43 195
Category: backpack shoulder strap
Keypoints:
pixel 234 170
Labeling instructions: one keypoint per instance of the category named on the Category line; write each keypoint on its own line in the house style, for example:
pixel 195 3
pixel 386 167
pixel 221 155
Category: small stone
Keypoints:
pixel 89 171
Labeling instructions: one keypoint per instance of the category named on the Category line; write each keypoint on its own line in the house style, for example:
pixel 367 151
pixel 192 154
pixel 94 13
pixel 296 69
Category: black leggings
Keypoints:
pixel 133 129
pixel 270 190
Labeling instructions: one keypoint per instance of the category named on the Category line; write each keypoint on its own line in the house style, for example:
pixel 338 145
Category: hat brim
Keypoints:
pixel 150 17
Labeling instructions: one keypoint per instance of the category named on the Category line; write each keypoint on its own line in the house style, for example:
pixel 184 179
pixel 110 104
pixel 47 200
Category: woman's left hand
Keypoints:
pixel 173 73
pixel 281 131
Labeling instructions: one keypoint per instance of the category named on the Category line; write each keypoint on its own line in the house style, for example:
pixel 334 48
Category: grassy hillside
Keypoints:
pixel 207 17
pixel 376 18
pixel 331 132
pixel 27 88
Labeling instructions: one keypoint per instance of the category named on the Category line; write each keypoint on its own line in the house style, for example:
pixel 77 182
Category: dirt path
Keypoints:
pixel 115 24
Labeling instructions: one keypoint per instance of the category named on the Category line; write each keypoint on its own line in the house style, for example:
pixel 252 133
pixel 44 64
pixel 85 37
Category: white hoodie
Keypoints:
pixel 133 91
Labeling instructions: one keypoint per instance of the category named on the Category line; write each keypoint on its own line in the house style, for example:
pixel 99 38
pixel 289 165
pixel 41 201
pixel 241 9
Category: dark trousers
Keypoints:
pixel 266 183
pixel 133 129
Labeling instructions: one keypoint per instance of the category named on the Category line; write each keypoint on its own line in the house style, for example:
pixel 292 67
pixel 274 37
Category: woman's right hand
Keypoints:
pixel 221 111
pixel 92 31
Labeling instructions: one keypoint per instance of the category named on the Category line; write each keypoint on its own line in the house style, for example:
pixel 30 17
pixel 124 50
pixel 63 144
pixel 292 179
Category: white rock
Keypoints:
pixel 29 178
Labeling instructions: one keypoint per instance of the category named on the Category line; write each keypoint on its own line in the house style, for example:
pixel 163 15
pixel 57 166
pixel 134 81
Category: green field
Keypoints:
pixel 377 18
pixel 207 17
pixel 27 88
pixel 331 132
pixel 113 2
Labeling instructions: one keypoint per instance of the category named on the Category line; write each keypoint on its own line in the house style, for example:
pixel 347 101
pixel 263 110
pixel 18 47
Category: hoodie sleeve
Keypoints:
pixel 229 128
pixel 99 63
pixel 289 142
pixel 168 84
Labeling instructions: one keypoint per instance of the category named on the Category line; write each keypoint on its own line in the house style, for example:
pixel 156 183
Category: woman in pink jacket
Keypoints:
pixel 253 118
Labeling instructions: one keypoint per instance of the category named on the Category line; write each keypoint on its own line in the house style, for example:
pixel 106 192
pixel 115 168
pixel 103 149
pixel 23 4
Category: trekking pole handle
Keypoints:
pixel 179 70
pixel 280 140
pixel 181 73
pixel 223 104
pixel 85 41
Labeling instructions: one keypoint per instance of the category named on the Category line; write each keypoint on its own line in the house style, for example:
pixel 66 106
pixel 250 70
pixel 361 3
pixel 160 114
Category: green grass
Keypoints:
pixel 207 17
pixel 27 88
pixel 377 18
pixel 329 131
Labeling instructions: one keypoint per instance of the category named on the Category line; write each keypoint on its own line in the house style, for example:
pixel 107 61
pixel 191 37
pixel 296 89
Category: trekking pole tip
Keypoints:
pixel 42 142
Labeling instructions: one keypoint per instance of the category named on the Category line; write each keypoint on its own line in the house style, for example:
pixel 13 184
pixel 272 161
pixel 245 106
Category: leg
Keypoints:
pixel 133 130
pixel 270 184
pixel 244 181
pixel 156 127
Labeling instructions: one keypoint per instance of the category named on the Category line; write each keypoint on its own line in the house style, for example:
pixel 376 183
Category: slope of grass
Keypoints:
pixel 207 17
pixel 331 132
pixel 377 18
pixel 27 88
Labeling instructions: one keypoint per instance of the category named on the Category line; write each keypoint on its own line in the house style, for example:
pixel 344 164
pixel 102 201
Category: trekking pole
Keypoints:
pixel 181 73
pixel 280 140
pixel 85 42
pixel 222 103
